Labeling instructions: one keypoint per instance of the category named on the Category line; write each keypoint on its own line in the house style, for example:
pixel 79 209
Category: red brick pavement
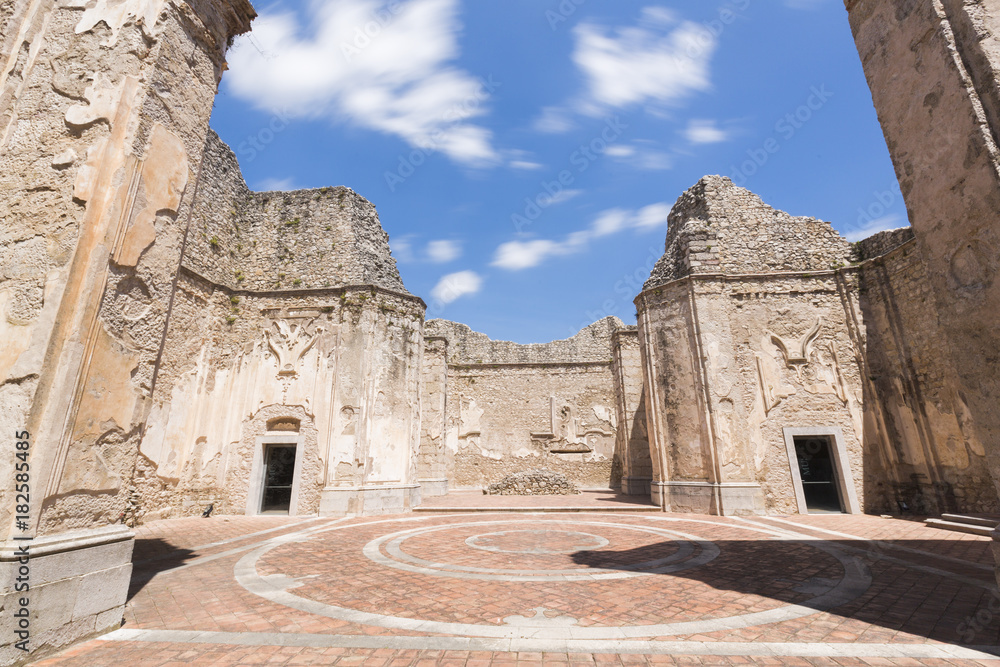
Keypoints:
pixel 753 572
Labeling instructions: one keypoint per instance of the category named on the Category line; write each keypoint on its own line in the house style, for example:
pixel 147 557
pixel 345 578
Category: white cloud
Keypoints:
pixel 384 71
pixel 519 255
pixel 609 222
pixel 652 216
pixel 525 165
pixel 554 120
pixel 441 252
pixel 620 151
pixel 892 221
pixel 661 63
pixel 705 132
pixel 455 285
pixel 563 196
pixel 276 184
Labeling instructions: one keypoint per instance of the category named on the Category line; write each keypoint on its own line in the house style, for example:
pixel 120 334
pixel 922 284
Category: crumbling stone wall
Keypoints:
pixel 103 112
pixel 717 228
pixel 303 239
pixel 342 360
pixel 514 407
pixel 734 352
pixel 932 68
pixel 921 450
pixel 532 483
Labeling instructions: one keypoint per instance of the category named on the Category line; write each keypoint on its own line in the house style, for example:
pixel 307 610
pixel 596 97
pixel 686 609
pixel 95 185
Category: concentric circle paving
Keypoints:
pixel 590 577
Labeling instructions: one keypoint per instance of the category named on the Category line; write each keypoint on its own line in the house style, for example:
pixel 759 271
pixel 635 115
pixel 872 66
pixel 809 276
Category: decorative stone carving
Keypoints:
pixel 290 344
pixel 796 353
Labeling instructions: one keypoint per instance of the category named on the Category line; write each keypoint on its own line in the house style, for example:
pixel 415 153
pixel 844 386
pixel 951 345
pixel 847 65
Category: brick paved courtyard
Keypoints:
pixel 580 588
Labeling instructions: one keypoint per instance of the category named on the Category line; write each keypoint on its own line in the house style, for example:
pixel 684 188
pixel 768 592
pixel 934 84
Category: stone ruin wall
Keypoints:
pixel 277 331
pixel 932 67
pixel 511 407
pixel 103 113
pixel 632 471
pixel 920 445
pixel 102 120
pixel 735 351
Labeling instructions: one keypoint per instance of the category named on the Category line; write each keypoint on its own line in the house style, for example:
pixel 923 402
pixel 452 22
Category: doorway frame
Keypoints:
pixel 841 462
pixel 255 491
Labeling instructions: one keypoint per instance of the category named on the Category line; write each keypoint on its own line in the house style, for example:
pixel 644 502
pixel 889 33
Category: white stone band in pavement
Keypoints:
pixel 404 561
pixel 398 642
pixel 855 582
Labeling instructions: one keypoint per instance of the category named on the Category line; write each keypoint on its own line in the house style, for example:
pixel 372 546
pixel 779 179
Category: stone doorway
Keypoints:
pixel 818 474
pixel 820 470
pixel 279 476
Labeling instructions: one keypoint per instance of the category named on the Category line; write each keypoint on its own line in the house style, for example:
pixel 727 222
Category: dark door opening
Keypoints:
pixel 818 473
pixel 279 472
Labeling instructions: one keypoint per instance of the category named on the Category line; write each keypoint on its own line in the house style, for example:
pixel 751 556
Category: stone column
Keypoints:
pixel 432 462
pixel 932 68
pixel 103 116
pixel 631 443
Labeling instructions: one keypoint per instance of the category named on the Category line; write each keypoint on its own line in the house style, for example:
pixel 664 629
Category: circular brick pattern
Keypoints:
pixel 554 578
pixel 536 542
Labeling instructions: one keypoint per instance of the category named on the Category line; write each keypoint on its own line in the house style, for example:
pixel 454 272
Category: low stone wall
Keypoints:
pixel 533 483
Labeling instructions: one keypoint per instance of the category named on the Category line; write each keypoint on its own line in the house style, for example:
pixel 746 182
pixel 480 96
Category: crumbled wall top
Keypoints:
pixel 466 346
pixel 717 227
pixel 879 244
pixel 325 237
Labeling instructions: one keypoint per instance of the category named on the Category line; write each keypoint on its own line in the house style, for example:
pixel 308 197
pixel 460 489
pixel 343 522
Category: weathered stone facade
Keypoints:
pixel 511 407
pixel 165 330
pixel 932 67
pixel 290 306
pixel 104 110
pixel 747 328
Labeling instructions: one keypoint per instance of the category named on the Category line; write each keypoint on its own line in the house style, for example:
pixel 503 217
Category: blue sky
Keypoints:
pixel 523 154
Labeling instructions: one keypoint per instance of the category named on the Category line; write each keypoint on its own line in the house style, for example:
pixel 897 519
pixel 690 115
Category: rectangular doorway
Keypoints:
pixel 279 475
pixel 818 472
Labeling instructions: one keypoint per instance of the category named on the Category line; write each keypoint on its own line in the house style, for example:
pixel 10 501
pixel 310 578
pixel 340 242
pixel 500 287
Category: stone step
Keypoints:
pixel 972 520
pixel 956 526
pixel 484 509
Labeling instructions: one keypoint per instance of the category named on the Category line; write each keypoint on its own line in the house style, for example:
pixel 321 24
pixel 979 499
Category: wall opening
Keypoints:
pixel 821 470
pixel 279 476
pixel 275 474
pixel 818 474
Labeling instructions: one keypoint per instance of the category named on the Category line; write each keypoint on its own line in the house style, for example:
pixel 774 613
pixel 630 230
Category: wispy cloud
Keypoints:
pixel 892 221
pixel 554 120
pixel 661 60
pixel 705 132
pixel 443 251
pixel 519 255
pixel 456 285
pixel 398 80
pixel 276 184
pixel 643 155
pixel 526 165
